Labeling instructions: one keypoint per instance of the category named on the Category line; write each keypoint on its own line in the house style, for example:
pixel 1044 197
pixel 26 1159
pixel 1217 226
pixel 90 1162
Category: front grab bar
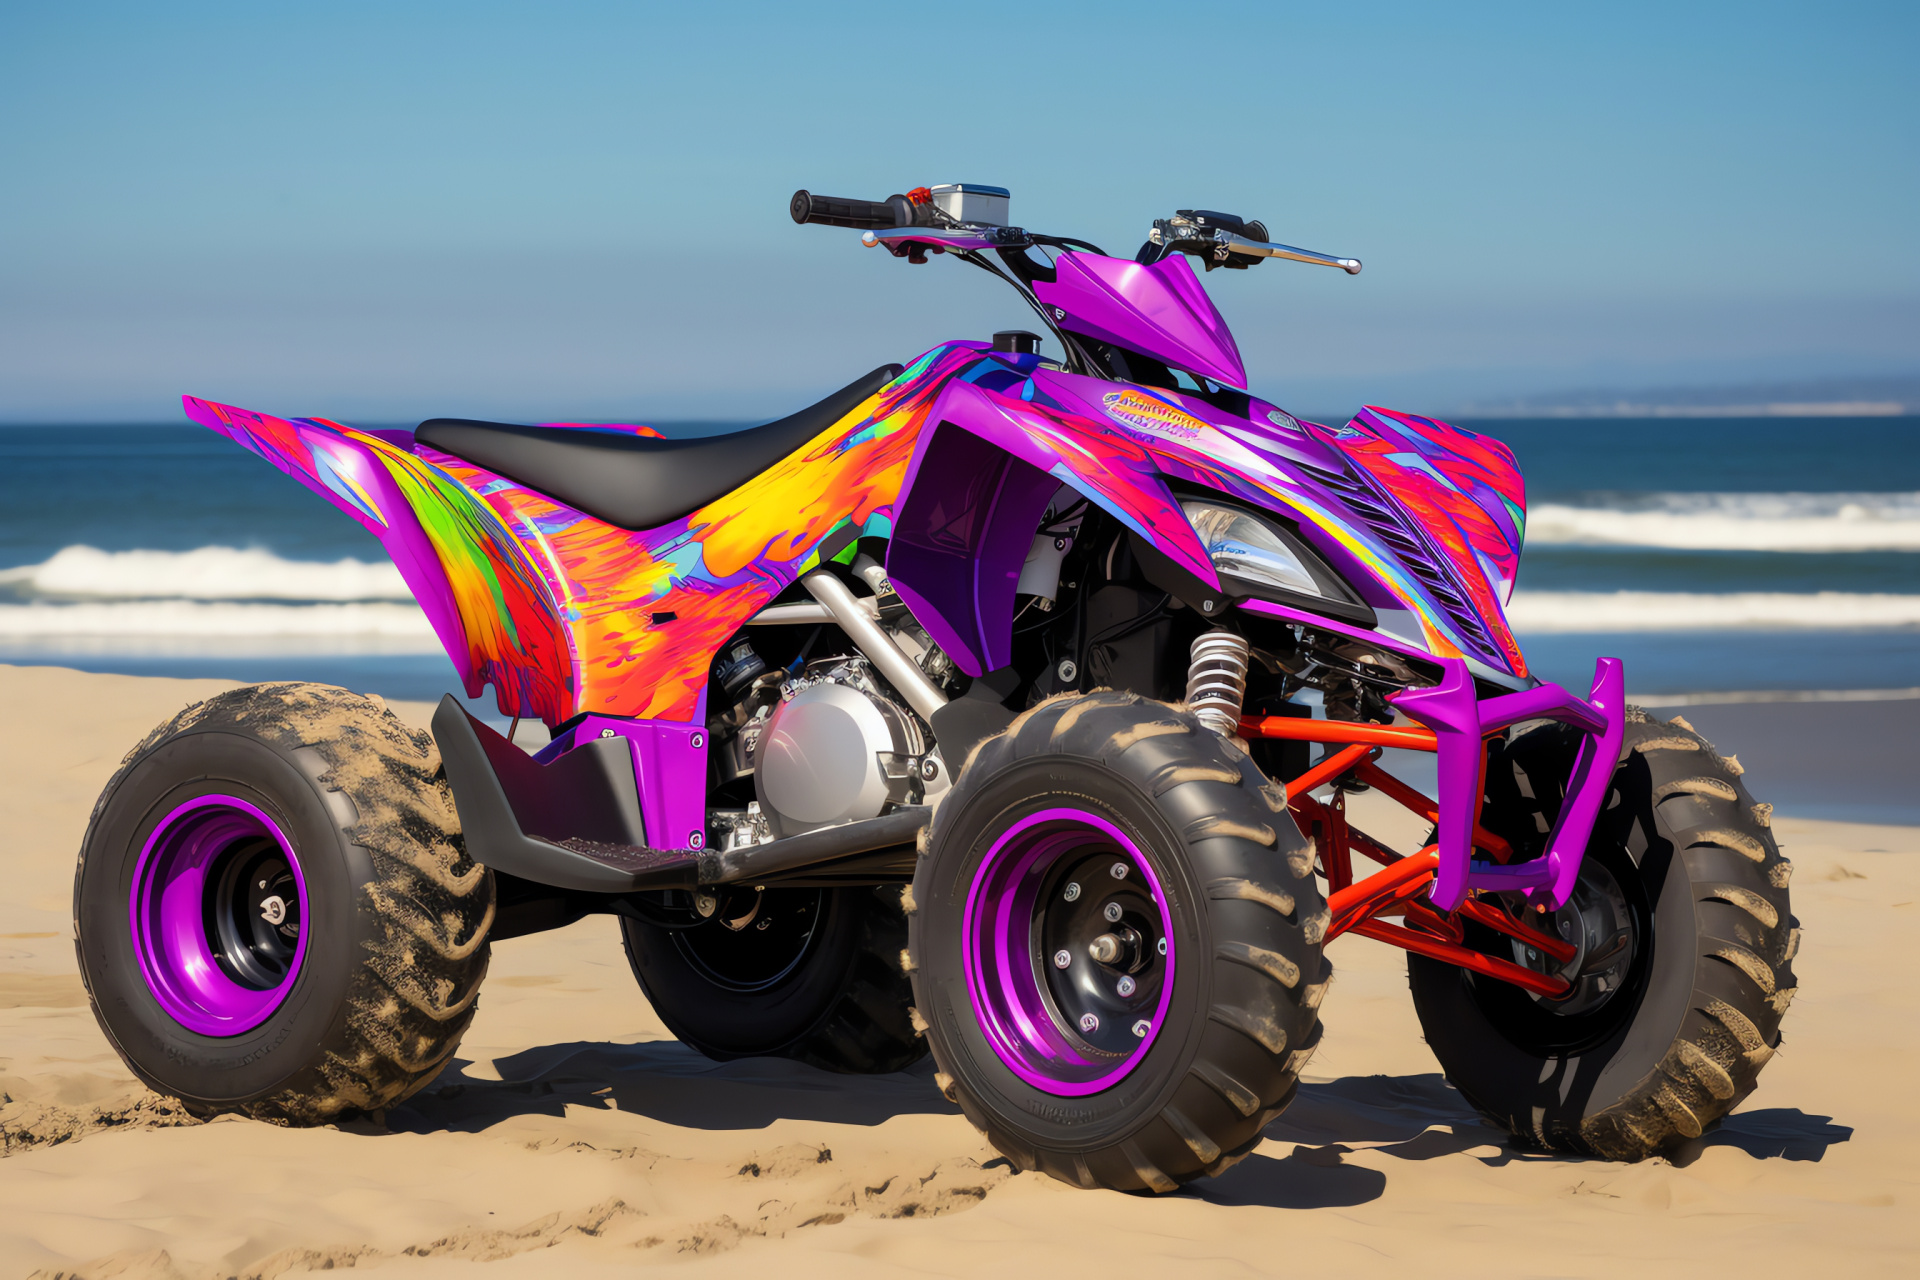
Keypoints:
pixel 1460 722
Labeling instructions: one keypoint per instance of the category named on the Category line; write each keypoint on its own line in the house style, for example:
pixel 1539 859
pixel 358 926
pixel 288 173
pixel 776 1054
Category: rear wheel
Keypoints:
pixel 811 974
pixel 274 913
pixel 1116 936
pixel 1683 965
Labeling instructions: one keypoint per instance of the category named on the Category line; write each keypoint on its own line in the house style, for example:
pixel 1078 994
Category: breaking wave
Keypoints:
pixel 1539 612
pixel 41 620
pixel 205 573
pixel 1808 522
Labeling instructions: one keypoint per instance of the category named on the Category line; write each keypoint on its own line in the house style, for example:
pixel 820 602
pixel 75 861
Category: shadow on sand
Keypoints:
pixel 1417 1117
pixel 664 1080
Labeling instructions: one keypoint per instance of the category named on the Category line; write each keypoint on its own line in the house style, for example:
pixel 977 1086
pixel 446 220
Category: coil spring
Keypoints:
pixel 1217 680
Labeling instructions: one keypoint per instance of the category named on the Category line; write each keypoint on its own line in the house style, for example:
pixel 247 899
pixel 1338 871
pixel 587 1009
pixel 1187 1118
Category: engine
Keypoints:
pixel 831 745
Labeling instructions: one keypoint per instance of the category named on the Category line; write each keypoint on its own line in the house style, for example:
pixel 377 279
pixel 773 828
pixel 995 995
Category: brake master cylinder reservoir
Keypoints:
pixel 971 202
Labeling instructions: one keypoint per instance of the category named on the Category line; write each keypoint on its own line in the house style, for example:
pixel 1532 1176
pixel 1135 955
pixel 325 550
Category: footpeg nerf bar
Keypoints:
pixel 574 821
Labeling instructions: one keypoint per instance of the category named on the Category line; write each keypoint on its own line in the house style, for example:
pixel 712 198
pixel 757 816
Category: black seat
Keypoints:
pixel 639 482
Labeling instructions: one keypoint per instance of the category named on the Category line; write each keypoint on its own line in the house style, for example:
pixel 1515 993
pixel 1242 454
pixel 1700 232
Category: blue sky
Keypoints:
pixel 381 211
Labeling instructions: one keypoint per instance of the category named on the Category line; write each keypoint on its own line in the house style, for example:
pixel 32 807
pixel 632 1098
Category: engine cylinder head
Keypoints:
pixel 1217 680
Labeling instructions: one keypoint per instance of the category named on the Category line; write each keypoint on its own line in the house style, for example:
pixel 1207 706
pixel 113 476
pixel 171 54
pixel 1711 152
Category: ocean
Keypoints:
pixel 1711 555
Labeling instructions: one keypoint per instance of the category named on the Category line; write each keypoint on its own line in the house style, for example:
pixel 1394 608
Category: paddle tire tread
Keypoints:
pixel 398 914
pixel 1247 917
pixel 1708 996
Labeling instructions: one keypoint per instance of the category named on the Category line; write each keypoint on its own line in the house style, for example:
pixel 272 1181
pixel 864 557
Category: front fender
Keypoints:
pixel 975 489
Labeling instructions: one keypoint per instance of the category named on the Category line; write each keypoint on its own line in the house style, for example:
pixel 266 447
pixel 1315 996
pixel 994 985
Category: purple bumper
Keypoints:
pixel 1461 722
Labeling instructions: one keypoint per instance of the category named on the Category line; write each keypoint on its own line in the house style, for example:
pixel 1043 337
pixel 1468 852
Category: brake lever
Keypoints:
pixel 1226 242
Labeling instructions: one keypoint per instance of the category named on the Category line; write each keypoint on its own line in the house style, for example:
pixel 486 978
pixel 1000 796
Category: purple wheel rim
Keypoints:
pixel 194 958
pixel 1020 996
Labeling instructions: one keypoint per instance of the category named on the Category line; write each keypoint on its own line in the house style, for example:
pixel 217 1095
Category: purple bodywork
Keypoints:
pixel 1422 520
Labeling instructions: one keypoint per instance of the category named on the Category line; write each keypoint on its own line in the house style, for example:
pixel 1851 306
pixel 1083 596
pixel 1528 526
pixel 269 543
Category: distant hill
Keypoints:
pixel 1826 397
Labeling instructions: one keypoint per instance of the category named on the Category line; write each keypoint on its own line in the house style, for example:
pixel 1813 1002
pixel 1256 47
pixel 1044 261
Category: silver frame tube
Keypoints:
pixel 902 672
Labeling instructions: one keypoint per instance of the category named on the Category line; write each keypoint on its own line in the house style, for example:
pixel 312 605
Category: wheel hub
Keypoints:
pixel 1605 935
pixel 1108 932
pixel 218 911
pixel 752 940
pixel 1068 955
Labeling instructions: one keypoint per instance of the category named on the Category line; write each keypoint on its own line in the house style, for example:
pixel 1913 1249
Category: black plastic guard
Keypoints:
pixel 575 824
pixel 520 816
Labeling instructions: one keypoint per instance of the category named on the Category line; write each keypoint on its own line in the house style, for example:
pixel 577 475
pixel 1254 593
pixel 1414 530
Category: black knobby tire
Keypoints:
pixel 839 1000
pixel 1246 919
pixel 1697 1013
pixel 396 919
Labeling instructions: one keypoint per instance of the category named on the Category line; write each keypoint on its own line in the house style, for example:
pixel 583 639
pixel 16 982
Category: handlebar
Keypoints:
pixel 1217 238
pixel 861 215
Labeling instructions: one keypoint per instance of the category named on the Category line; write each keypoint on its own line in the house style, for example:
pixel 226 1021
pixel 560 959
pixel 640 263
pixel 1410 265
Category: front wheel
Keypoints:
pixel 1683 967
pixel 1116 938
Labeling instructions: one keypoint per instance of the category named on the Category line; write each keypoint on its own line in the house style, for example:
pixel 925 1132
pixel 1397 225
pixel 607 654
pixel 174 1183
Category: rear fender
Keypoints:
pixel 499 603
pixel 975 490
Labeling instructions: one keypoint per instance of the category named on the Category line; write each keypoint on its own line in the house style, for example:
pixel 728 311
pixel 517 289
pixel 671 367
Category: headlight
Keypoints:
pixel 1252 553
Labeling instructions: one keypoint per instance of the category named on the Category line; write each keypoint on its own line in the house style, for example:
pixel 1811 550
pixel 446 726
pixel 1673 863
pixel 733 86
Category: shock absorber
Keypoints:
pixel 1217 680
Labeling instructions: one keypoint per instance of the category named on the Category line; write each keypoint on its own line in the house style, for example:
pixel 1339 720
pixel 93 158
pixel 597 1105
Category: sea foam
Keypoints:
pixel 1540 612
pixel 40 620
pixel 1805 522
pixel 205 573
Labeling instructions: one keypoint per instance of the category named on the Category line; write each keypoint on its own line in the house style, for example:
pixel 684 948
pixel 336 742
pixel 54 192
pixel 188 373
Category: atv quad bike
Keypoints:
pixel 971 710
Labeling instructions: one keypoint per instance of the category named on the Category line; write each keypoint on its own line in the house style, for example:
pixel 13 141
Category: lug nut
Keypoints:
pixel 1126 985
pixel 1118 871
pixel 1073 890
pixel 1141 1028
pixel 1061 958
pixel 1105 948
pixel 1089 1023
pixel 1112 912
pixel 1163 946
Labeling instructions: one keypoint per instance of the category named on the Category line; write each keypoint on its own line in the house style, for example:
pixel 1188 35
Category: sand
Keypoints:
pixel 574 1136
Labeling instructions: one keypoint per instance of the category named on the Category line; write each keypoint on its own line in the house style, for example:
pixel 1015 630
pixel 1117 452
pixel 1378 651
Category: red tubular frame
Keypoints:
pixel 1357 906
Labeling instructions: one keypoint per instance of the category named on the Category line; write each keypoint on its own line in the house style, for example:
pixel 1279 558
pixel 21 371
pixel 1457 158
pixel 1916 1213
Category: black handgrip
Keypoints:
pixel 861 215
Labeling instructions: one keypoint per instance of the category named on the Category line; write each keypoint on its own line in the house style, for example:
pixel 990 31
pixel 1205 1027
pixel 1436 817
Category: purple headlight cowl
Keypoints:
pixel 189 908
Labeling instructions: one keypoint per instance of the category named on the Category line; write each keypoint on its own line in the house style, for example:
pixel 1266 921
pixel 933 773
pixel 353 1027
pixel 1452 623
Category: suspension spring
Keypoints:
pixel 1217 680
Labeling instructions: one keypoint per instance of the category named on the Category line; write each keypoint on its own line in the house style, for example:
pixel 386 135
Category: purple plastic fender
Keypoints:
pixel 974 492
